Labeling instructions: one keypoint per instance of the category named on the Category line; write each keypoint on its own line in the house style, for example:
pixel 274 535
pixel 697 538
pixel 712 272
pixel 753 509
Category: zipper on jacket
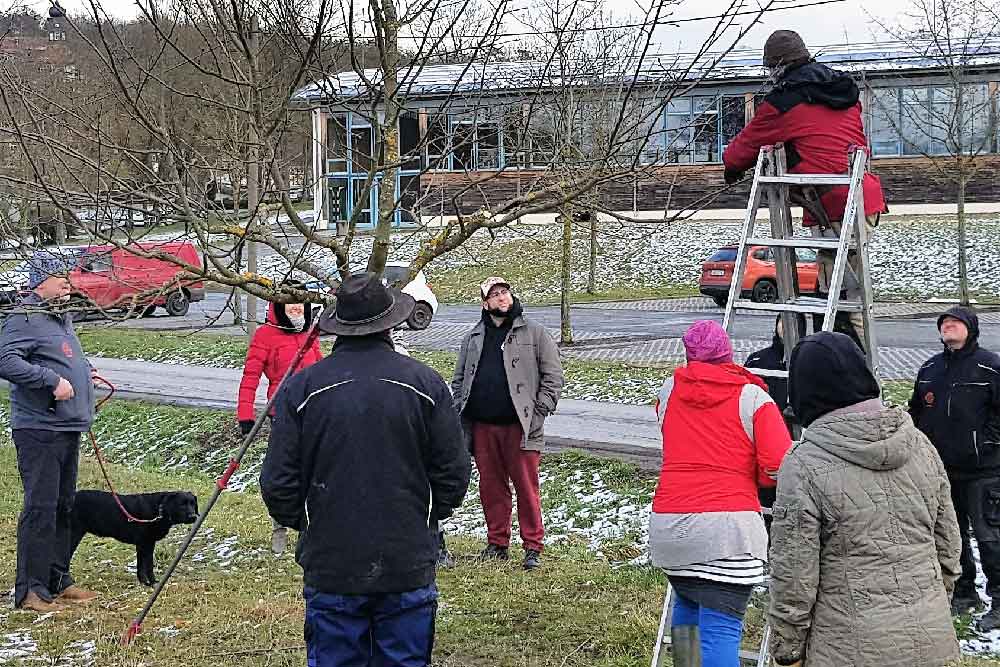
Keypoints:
pixel 975 445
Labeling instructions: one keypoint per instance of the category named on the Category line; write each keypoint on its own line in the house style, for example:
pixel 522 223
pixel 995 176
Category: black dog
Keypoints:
pixel 97 513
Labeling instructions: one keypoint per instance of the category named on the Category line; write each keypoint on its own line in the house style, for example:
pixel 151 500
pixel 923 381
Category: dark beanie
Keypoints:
pixel 785 47
pixel 827 371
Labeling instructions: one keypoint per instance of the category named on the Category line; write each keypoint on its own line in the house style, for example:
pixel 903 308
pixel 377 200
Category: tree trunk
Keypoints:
pixel 592 276
pixel 385 14
pixel 565 325
pixel 963 270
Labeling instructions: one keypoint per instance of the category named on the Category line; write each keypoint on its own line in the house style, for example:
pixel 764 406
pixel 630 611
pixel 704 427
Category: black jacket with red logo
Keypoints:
pixel 956 403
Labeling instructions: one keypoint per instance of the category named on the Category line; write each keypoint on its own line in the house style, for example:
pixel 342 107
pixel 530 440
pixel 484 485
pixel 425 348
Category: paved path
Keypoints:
pixel 641 331
pixel 596 426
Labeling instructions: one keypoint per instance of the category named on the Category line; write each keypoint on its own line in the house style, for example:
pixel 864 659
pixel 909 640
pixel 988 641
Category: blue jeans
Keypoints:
pixel 720 633
pixel 384 630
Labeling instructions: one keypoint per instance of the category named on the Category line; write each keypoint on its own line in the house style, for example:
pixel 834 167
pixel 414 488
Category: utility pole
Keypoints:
pixel 253 186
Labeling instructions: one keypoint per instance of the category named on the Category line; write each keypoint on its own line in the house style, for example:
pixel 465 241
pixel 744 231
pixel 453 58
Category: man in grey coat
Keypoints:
pixel 507 381
pixel 865 544
pixel 51 404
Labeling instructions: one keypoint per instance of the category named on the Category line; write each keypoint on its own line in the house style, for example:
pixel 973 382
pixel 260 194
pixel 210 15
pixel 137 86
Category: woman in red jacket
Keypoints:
pixel 271 352
pixel 723 436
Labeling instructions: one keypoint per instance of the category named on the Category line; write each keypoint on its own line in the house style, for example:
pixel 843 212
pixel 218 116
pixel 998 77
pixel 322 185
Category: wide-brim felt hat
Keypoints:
pixel 365 306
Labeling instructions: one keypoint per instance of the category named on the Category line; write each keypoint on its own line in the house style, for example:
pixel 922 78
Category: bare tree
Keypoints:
pixel 180 103
pixel 952 123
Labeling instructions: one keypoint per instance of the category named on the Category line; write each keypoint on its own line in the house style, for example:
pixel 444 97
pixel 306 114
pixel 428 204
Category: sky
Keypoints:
pixel 838 23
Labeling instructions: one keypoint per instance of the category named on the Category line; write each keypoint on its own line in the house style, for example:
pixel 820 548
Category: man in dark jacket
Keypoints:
pixel 507 381
pixel 814 111
pixel 51 404
pixel 366 454
pixel 956 403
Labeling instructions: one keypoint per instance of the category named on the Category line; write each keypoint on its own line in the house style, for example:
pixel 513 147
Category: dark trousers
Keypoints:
pixel 385 630
pixel 47 462
pixel 968 497
pixel 502 463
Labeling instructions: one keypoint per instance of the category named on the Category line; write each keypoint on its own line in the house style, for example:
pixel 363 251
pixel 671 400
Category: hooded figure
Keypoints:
pixel 815 112
pixel 864 544
pixel 271 352
pixel 722 437
pixel 956 403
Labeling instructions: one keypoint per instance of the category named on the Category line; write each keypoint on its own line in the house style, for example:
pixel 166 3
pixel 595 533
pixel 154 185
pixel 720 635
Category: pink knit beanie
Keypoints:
pixel 708 342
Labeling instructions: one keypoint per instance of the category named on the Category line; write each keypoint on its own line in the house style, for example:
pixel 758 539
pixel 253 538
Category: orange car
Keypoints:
pixel 759 282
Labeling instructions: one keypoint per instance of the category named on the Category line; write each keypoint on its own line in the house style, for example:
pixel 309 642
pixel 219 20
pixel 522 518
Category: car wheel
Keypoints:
pixel 720 301
pixel 421 316
pixel 178 303
pixel 765 291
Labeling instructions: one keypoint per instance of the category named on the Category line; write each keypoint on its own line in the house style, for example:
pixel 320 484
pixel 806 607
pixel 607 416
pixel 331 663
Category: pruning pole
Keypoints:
pixel 135 627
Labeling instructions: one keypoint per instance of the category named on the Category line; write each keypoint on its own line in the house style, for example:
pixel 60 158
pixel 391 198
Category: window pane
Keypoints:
pixel 733 118
pixel 336 200
pixel 542 136
pixel 805 255
pixel 883 122
pixel 437 141
pixel 915 120
pixel 724 255
pixel 336 143
pixel 409 199
pixel 488 146
pixel 463 141
pixel 706 129
pixel 513 138
pixel 409 140
pixel 361 148
pixel 678 136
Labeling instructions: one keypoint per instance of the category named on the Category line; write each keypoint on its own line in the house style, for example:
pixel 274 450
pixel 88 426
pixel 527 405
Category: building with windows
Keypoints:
pixel 477 134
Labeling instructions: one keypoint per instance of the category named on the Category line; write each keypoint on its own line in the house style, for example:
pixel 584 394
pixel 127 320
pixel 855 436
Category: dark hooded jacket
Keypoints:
pixel 956 403
pixel 815 112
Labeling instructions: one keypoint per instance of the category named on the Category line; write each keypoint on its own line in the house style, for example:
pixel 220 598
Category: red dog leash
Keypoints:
pixel 100 458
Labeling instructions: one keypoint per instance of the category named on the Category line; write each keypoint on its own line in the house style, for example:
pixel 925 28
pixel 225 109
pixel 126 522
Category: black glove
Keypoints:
pixel 246 426
pixel 733 176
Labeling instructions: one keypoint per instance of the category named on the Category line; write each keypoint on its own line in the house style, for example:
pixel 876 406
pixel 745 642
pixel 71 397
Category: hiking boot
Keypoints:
pixel 964 602
pixel 34 603
pixel 76 595
pixel 493 552
pixel 445 559
pixel 991 620
pixel 279 541
pixel 532 559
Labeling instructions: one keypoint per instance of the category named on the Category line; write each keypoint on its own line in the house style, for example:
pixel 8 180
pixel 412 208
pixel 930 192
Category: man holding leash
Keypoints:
pixel 51 404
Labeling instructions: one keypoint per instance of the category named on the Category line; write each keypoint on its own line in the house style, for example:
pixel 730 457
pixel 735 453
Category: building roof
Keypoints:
pixel 656 70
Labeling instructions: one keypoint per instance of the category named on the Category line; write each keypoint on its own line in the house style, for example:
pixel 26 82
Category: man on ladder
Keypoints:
pixel 815 113
pixel 808 143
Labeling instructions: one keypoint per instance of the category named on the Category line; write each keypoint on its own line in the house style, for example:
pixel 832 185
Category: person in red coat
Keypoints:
pixel 816 113
pixel 271 352
pixel 723 436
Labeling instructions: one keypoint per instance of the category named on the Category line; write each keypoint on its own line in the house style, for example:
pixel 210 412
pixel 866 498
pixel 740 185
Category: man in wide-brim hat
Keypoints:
pixel 366 454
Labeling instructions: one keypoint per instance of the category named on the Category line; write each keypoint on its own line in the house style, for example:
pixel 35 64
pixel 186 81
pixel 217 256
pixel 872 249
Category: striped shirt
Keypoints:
pixel 744 570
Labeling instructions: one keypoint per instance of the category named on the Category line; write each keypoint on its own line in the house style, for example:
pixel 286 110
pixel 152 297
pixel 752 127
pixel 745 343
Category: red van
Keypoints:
pixel 111 277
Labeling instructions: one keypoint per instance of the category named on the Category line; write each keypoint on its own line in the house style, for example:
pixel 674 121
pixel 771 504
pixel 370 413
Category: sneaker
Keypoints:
pixel 279 541
pixel 34 603
pixel 964 602
pixel 493 552
pixel 991 620
pixel 532 559
pixel 76 595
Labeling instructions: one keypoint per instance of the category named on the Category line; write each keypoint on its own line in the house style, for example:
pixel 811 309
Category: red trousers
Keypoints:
pixel 501 461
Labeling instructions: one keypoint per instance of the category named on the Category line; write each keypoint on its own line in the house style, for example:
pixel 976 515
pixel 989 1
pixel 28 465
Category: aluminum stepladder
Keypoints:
pixel 770 177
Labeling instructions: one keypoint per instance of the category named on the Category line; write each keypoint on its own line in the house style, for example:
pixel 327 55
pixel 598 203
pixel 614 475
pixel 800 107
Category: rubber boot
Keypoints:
pixel 685 643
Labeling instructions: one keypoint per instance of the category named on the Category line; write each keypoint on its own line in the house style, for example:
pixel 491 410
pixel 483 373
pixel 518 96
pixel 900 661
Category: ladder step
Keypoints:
pixel 797 242
pixel 801 305
pixel 807 179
